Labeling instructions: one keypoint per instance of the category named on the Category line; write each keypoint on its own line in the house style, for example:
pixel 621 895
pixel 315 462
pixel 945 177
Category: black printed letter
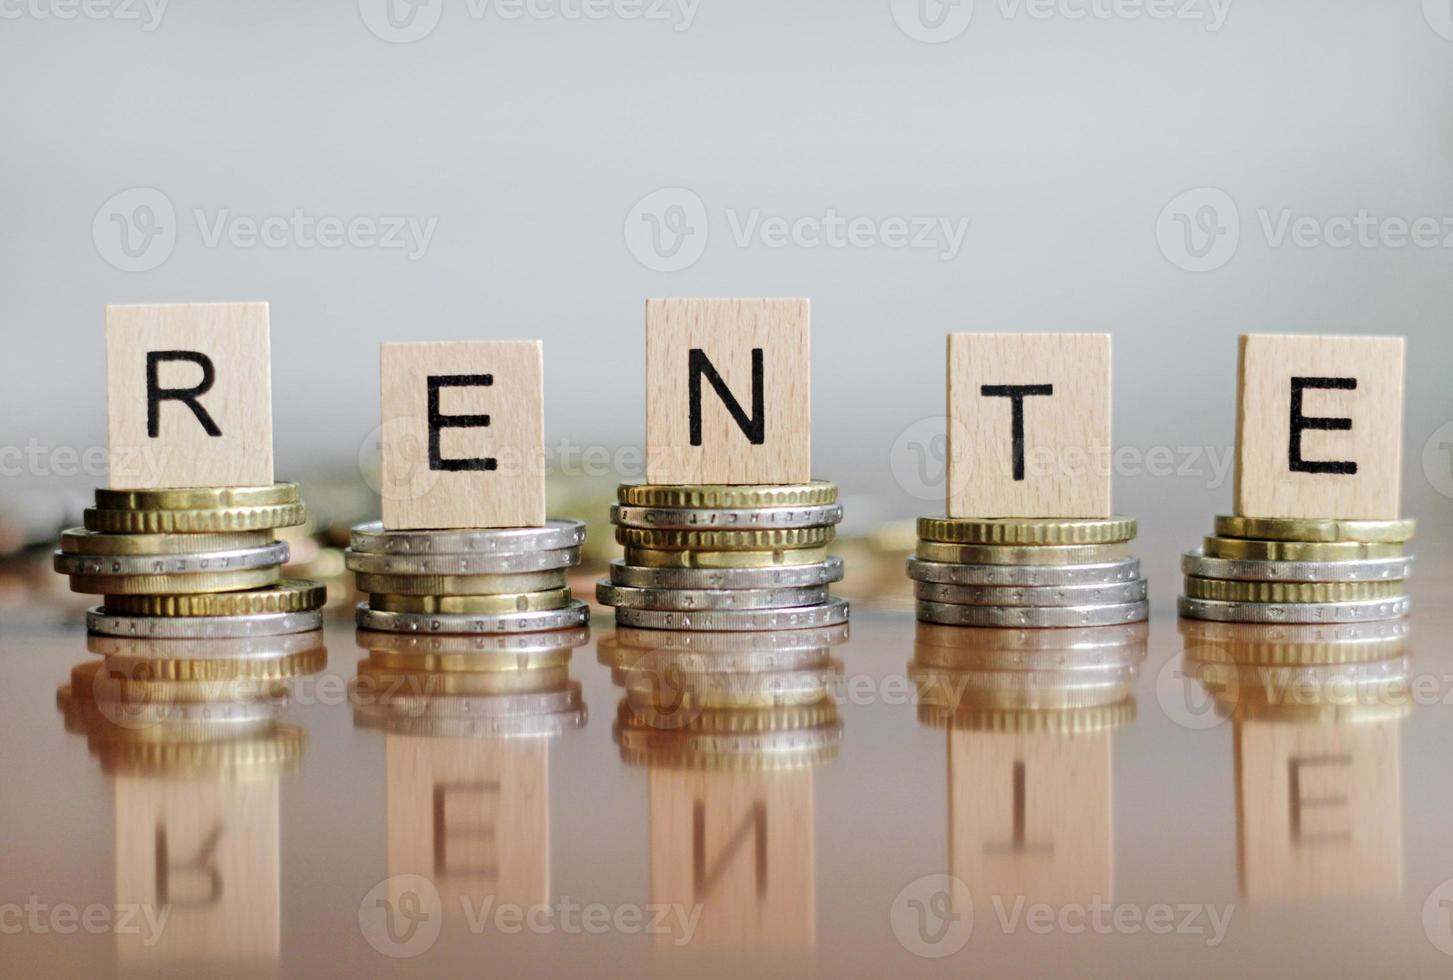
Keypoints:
pixel 438 421
pixel 1301 423
pixel 156 394
pixel 756 426
pixel 1016 395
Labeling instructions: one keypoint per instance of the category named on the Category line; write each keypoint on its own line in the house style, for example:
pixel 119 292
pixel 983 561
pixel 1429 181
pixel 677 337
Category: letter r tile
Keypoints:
pixel 728 391
pixel 462 440
pixel 1029 425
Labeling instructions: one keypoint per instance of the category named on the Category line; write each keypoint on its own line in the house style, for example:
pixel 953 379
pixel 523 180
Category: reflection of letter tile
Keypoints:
pixel 484 475
pixel 1059 466
pixel 726 332
pixel 1268 483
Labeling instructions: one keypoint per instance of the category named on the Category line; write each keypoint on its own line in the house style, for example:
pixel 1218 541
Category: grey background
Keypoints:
pixel 531 140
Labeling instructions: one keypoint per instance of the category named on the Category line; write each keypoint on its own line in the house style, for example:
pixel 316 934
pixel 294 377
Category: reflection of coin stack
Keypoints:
pixel 194 563
pixel 1027 572
pixel 1316 712
pixel 195 766
pixel 729 727
pixel 725 558
pixel 1029 715
pixel 467 581
pixel 1298 570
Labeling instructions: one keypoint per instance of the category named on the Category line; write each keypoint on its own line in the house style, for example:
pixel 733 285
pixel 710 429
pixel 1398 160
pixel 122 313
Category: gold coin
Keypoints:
pixel 198 498
pixel 655 558
pixel 194 521
pixel 764 539
pixel 184 584
pixel 102 683
pixel 79 541
pixel 436 663
pixel 775 718
pixel 1026 531
pixel 1227 590
pixel 1314 529
pixel 221 669
pixel 1058 721
pixel 727 496
pixel 999 554
pixel 470 605
pixel 288 595
pixel 1247 549
pixel 461 585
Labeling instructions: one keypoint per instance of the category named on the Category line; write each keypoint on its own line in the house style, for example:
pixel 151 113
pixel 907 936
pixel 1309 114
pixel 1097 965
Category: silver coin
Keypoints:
pixel 1358 570
pixel 1294 612
pixel 575 614
pixel 263 556
pixel 1033 617
pixel 624 597
pixel 783 577
pixel 625 661
pixel 485 645
pixel 790 642
pixel 369 563
pixel 262 648
pixel 203 627
pixel 793 617
pixel 1027 576
pixel 1040 595
pixel 745 518
pixel 993 641
pixel 371 538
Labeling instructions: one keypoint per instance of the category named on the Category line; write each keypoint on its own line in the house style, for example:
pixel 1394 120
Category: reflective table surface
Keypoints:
pixel 1125 801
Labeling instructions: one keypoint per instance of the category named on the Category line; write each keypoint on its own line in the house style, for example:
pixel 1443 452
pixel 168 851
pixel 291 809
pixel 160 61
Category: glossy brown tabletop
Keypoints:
pixel 1145 826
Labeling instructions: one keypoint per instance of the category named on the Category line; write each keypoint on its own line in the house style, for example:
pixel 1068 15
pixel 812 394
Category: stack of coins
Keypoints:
pixel 468 580
pixel 725 558
pixel 1027 572
pixel 191 563
pixel 1298 570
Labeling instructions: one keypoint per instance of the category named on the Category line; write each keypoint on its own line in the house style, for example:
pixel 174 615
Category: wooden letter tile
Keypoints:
pixel 188 395
pixel 1029 425
pixel 463 434
pixel 727 391
pixel 1319 427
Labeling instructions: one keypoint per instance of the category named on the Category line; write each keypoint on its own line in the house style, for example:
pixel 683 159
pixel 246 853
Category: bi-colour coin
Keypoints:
pixel 193 521
pixel 1030 576
pixel 1282 592
pixel 690 518
pixel 657 558
pixel 441 585
pixel 765 539
pixel 291 595
pixel 575 614
pixel 101 621
pixel 1026 531
pixel 829 613
pixel 999 554
pixel 728 496
pixel 79 541
pixel 1300 612
pixel 1046 595
pixel 624 597
pixel 470 605
pixel 1033 617
pixel 784 577
pixel 1314 529
pixel 1196 563
pixel 371 538
pixel 366 563
pixel 198 498
pixel 263 556
pixel 187 584
pixel 1245 549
